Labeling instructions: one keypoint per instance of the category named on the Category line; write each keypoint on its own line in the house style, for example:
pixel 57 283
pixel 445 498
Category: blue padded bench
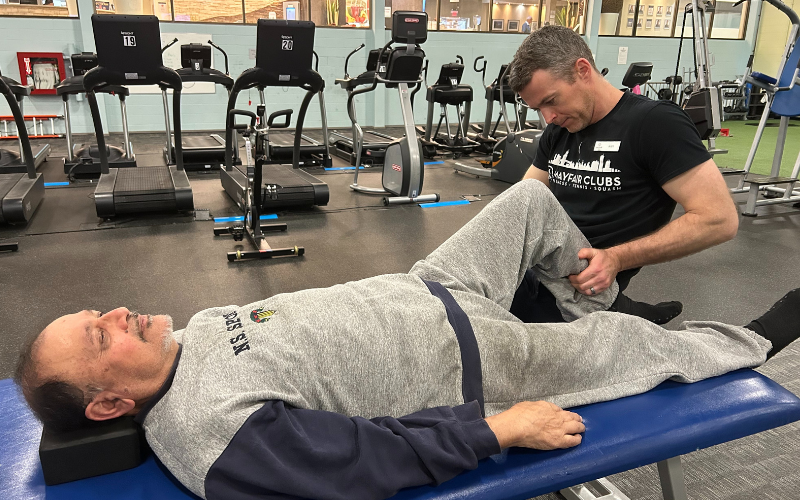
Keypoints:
pixel 658 426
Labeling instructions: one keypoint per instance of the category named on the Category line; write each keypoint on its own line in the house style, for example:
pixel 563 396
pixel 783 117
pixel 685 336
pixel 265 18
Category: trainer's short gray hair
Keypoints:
pixel 554 48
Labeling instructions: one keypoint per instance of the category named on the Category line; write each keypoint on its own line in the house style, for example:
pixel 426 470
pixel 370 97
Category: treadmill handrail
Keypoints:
pixel 22 129
pixel 210 75
pixel 223 53
pixel 310 81
pixel 100 76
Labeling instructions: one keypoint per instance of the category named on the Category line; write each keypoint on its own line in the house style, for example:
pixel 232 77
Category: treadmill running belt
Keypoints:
pixel 201 142
pixel 8 181
pixel 152 180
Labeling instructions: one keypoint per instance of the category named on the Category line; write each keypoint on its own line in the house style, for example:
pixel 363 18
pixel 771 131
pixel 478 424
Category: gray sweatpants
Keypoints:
pixel 598 355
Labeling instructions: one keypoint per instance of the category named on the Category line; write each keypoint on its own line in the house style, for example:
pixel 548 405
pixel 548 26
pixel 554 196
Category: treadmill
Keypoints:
pixel 374 144
pixel 282 186
pixel 129 53
pixel 312 152
pixel 85 161
pixel 20 193
pixel 200 152
pixel 13 161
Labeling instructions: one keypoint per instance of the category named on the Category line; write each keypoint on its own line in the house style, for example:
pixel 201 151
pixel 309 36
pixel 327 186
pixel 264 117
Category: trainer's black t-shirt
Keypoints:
pixel 608 176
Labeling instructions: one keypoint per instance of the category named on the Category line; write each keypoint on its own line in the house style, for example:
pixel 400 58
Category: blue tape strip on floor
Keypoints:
pixel 444 203
pixel 433 162
pixel 343 168
pixel 240 218
pixel 54 184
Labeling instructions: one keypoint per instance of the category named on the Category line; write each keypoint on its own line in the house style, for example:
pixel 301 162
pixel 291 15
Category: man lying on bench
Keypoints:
pixel 361 389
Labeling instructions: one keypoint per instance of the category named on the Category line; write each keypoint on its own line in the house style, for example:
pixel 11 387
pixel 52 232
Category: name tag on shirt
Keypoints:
pixel 607 145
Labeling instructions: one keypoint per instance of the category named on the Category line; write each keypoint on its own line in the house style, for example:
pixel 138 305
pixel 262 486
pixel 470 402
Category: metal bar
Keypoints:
pixel 324 114
pixel 756 140
pixel 166 122
pixel 68 129
pixel 776 159
pixel 414 154
pixel 671 474
pixel 19 134
pixel 125 132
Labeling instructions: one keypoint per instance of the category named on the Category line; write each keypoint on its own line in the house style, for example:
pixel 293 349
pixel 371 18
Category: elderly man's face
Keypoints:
pixel 115 351
pixel 569 105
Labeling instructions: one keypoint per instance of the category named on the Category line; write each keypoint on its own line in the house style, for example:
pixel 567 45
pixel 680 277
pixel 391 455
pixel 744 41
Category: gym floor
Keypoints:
pixel 69 260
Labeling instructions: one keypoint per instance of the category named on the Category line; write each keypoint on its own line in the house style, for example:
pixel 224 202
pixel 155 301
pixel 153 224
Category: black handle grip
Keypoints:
pixel 170 44
pixel 286 113
pixel 242 112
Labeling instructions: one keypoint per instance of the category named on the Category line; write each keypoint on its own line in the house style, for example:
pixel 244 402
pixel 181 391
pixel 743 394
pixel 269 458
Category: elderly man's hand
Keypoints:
pixel 539 425
pixel 599 275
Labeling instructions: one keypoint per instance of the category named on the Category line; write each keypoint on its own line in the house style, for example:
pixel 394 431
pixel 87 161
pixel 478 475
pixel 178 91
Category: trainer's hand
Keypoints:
pixel 539 425
pixel 599 274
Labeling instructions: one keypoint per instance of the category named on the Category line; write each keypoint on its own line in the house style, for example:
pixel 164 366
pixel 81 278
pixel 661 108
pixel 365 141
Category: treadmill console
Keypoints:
pixel 129 46
pixel 83 62
pixel 285 47
pixel 196 56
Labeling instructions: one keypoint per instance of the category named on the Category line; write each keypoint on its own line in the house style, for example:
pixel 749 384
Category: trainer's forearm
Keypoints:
pixel 688 234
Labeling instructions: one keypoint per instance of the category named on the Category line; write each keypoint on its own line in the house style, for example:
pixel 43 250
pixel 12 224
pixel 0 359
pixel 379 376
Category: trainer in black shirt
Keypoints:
pixel 618 163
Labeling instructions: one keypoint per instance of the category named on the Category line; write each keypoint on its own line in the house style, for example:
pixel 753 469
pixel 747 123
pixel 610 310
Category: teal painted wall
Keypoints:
pixel 206 111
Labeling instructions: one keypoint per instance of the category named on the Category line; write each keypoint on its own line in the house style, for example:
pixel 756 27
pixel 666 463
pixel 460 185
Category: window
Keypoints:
pixel 218 11
pixel 39 8
pixel 729 21
pixel 515 16
pixel 431 7
pixel 664 18
pixel 464 15
pixel 688 32
pixel 160 8
pixel 345 13
pixel 275 9
pixel 569 13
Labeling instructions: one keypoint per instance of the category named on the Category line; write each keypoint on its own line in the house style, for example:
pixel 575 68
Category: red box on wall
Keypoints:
pixel 42 70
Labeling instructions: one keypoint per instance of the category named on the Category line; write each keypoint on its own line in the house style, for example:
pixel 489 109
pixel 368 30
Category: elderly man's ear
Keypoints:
pixel 108 405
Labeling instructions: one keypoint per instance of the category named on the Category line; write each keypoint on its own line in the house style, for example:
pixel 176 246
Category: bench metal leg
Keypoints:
pixel 671 473
pixel 599 489
pixel 752 200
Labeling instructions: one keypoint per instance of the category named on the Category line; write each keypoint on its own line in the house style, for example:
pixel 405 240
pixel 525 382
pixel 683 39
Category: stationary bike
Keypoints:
pixel 256 141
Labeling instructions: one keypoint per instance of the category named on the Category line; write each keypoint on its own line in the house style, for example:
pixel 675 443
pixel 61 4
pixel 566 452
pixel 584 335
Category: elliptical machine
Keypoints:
pixel 374 143
pixel 512 155
pixel 487 135
pixel 448 91
pixel 403 167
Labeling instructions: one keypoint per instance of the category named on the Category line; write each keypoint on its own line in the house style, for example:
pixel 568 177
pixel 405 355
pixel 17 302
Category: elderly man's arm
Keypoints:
pixel 710 218
pixel 286 452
